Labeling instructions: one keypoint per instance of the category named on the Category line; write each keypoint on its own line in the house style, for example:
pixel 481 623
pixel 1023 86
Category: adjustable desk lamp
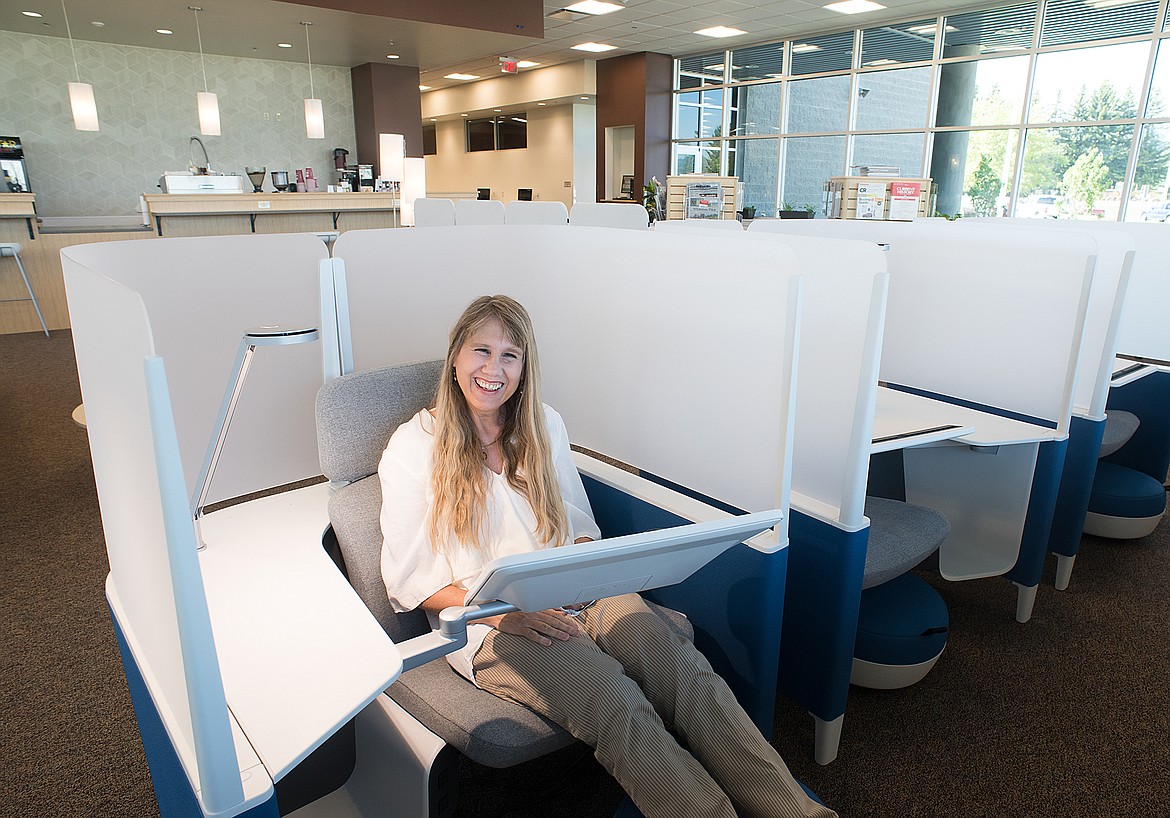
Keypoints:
pixel 264 336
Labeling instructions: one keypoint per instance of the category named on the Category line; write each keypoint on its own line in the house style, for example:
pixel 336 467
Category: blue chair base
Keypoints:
pixel 901 632
pixel 1125 503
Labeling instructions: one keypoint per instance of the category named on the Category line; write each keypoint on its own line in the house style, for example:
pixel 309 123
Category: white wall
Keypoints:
pixel 546 165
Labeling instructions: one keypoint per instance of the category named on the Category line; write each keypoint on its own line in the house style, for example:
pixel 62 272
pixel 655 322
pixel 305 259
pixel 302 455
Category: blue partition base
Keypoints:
pixel 821 604
pixel 1076 485
pixel 172 789
pixel 1041 508
pixel 734 603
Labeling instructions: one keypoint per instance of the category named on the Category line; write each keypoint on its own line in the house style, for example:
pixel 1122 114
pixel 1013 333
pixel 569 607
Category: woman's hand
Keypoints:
pixel 542 627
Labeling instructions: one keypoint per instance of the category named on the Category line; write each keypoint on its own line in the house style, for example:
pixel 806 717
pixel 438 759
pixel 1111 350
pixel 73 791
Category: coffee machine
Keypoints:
pixel 339 168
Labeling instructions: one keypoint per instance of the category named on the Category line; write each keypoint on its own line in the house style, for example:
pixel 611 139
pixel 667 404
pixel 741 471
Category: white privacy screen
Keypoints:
pixel 201 295
pixel 669 356
pixel 993 316
pixel 111 334
pixel 843 302
pixel 1111 275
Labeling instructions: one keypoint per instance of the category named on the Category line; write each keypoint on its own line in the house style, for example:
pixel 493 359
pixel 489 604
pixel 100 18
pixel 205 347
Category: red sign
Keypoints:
pixel 508 66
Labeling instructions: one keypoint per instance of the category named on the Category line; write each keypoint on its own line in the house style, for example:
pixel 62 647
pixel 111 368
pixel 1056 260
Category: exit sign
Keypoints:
pixel 509 66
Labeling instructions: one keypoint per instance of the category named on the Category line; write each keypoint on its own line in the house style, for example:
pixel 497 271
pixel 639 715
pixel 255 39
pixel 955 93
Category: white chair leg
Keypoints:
pixel 1025 600
pixel 1064 566
pixel 31 295
pixel 828 739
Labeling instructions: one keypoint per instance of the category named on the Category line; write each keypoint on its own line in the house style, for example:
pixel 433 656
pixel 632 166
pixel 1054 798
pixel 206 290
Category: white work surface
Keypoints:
pixel 1126 371
pixel 914 420
pixel 978 473
pixel 299 652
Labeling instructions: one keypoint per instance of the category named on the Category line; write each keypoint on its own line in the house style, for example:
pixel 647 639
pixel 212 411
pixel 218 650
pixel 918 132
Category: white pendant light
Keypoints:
pixel 391 153
pixel 414 186
pixel 207 102
pixel 81 99
pixel 392 164
pixel 314 114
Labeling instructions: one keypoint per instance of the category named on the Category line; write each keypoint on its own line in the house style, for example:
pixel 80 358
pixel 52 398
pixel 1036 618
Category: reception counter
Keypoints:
pixel 214 214
pixel 16 208
pixel 202 214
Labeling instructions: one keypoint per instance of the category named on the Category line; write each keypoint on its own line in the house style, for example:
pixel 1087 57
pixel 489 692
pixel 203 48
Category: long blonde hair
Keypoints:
pixel 459 480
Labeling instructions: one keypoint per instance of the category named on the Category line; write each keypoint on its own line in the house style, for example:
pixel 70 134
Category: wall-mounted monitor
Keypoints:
pixel 484 193
pixel 524 194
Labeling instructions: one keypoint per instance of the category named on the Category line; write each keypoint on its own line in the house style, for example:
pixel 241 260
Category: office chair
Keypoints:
pixel 356 414
pixel 902 622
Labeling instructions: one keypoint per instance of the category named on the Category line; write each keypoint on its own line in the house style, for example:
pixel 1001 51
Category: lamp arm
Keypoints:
pixel 222 422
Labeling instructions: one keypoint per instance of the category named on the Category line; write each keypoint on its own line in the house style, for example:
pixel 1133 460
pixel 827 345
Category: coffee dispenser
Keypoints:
pixel 339 167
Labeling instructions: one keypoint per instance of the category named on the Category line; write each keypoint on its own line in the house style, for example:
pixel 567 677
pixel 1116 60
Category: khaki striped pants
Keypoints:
pixel 620 686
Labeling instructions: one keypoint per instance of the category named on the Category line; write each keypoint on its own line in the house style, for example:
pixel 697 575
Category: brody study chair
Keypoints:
pixel 356 414
pixel 902 622
pixel 1126 503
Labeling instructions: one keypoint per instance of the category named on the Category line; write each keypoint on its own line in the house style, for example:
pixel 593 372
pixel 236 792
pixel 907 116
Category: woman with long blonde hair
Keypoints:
pixel 488 472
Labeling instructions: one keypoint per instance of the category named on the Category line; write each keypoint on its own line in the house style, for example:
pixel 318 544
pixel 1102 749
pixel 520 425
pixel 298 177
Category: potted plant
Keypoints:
pixel 653 199
pixel 749 212
pixel 787 211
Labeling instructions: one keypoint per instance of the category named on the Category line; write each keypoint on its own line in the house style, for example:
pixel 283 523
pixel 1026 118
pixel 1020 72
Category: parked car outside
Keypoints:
pixel 1039 206
pixel 1158 213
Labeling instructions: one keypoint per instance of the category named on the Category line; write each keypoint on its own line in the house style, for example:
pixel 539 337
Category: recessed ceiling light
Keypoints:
pixel 424 88
pixel 720 31
pixel 393 57
pixel 594 7
pixel 434 120
pixel 463 115
pixel 163 31
pixel 804 48
pixel 596 48
pixel 32 14
pixel 461 77
pixel 527 64
pixel 498 110
pixel 854 6
pixel 540 103
pixel 582 97
pixel 284 45
pixel 97 24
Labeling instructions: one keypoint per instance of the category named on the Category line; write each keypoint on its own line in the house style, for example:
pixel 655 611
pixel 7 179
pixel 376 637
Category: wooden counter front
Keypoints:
pixel 19 206
pixel 221 214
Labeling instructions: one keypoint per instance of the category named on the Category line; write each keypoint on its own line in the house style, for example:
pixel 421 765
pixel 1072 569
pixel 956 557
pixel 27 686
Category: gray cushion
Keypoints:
pixel 1119 428
pixel 357 413
pixel 901 535
pixel 482 726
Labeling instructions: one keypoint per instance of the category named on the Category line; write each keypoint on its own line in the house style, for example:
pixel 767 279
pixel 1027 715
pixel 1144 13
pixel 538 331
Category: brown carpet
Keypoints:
pixel 1067 715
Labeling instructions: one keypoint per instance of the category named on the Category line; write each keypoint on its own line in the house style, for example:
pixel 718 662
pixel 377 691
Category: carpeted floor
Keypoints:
pixel 1064 716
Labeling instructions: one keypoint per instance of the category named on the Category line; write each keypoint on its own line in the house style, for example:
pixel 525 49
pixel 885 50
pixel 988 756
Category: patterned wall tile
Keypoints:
pixel 146 107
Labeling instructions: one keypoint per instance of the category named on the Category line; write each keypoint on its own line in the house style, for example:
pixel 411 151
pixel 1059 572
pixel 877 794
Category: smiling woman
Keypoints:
pixel 487 473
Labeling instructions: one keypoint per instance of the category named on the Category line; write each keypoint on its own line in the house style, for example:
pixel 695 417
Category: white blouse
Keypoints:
pixel 411 568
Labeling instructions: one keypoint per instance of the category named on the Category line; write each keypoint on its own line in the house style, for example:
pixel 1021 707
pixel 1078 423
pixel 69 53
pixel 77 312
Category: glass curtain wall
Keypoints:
pixel 1048 109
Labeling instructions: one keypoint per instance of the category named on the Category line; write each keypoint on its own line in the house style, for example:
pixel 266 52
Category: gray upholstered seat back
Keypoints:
pixel 1119 428
pixel 356 414
pixel 901 535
